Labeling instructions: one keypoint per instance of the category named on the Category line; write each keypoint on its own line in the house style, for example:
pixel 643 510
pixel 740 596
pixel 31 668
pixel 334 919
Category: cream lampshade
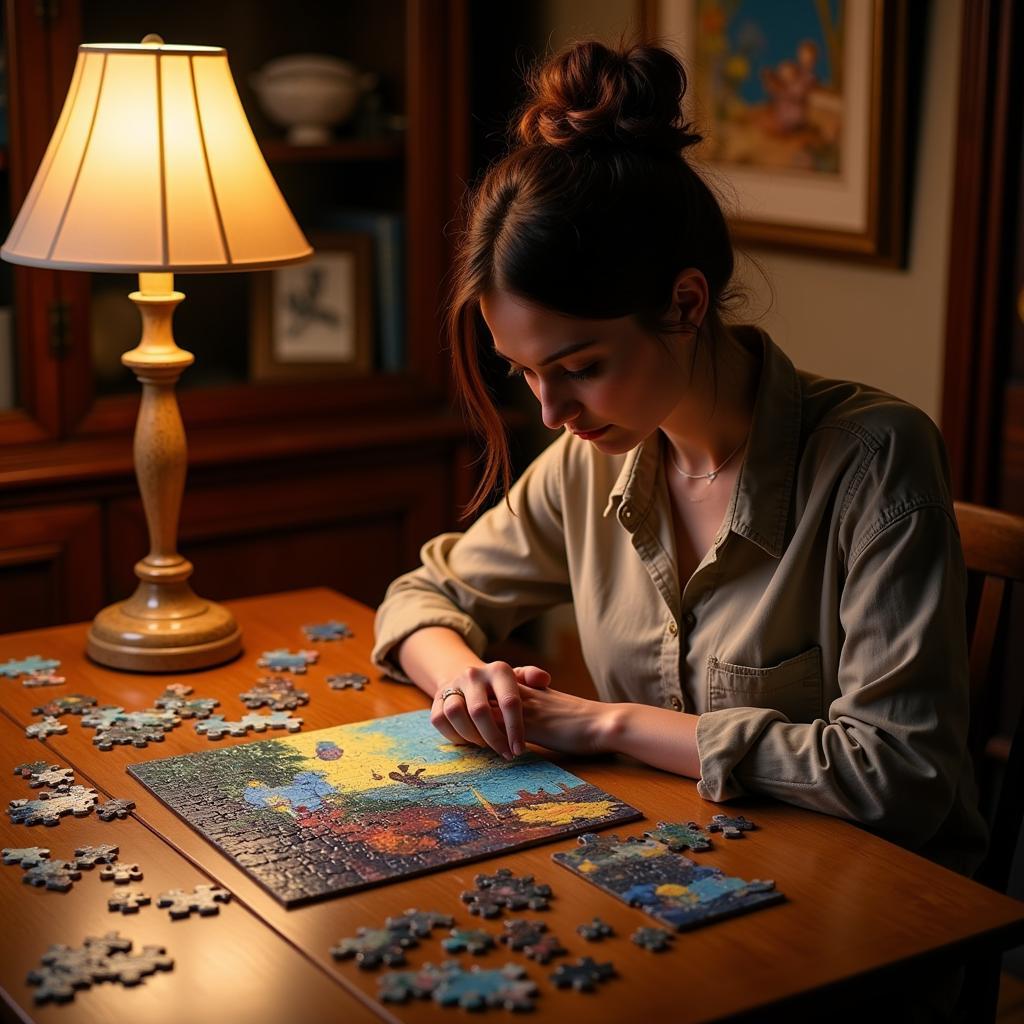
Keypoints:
pixel 152 169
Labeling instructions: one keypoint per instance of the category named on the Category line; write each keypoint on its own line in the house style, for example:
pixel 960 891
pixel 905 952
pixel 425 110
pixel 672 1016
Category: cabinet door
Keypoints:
pixel 50 566
pixel 351 528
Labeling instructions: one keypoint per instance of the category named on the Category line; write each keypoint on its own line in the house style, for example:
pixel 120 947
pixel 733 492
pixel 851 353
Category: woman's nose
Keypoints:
pixel 556 407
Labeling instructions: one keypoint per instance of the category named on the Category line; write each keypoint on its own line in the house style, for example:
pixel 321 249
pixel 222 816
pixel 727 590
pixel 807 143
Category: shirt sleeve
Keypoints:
pixel 506 569
pixel 891 752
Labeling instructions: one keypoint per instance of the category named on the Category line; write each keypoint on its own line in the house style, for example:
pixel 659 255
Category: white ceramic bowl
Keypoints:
pixel 310 93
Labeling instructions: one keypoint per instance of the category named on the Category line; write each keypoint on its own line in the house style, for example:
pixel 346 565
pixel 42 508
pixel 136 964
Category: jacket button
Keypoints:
pixel 676 704
pixel 672 628
pixel 689 620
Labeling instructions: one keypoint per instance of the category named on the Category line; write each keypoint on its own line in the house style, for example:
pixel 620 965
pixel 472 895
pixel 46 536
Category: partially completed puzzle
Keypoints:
pixel 328 812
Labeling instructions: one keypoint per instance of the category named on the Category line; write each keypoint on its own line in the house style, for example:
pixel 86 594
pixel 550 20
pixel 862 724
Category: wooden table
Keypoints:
pixel 858 909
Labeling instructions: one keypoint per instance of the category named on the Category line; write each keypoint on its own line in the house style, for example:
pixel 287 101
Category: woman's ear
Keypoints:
pixel 690 299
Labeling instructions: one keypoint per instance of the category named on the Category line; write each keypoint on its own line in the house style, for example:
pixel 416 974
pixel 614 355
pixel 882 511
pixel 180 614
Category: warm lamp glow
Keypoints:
pixel 153 167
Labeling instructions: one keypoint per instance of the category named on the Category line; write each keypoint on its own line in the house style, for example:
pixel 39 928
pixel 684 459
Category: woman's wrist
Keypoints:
pixel 608 727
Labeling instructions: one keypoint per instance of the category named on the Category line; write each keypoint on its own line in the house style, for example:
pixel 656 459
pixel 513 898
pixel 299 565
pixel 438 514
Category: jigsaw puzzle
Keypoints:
pixel 348 681
pixel 327 631
pixel 583 975
pixel 58 875
pixel 127 901
pixel 65 970
pixel 274 692
pixel 680 835
pixel 26 666
pixel 115 808
pixel 50 807
pixel 339 809
pixel 49 726
pixel 26 856
pixel 203 900
pixel 670 887
pixel 283 660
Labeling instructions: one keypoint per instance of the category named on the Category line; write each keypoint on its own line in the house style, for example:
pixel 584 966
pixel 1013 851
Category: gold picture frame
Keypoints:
pixel 857 73
pixel 315 319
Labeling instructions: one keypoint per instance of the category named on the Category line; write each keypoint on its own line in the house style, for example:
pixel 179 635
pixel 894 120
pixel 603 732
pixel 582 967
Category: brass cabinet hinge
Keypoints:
pixel 60 328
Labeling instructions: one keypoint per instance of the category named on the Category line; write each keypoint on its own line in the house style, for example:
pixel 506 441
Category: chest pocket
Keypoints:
pixel 792 687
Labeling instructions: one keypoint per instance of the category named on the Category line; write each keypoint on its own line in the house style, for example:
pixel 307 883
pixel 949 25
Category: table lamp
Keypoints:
pixel 153 169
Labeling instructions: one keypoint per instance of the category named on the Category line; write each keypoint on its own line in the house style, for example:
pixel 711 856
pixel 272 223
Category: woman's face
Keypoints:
pixel 608 381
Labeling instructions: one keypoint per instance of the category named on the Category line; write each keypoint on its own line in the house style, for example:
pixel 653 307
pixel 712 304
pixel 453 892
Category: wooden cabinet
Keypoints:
pixel 291 483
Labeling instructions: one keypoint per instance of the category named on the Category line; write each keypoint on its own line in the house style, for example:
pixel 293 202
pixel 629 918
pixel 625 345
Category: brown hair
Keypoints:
pixel 593 213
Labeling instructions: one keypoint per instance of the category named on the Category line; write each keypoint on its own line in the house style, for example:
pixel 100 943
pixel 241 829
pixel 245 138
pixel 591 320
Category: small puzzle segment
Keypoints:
pixel 49 726
pixel 419 922
pixel 49 808
pixel 595 930
pixel 120 874
pixel 274 692
pixel 401 986
pixel 26 856
pixel 89 856
pixel 680 835
pixel 58 875
pixel 468 940
pixel 115 808
pixel 731 828
pixel 204 900
pixel 72 704
pixel 348 681
pixel 326 631
pixel 654 940
pixel 582 976
pixel 478 988
pixel 16 667
pixel 371 947
pixel 127 901
pixel 504 891
pixel 283 660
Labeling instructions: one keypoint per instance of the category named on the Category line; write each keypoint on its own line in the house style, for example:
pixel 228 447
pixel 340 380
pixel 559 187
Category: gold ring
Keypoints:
pixel 452 691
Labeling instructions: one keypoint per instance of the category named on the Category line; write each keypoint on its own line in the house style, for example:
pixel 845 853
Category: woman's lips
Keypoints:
pixel 592 435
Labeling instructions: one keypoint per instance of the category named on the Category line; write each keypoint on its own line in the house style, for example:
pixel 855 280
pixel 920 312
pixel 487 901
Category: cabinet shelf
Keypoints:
pixel 341 151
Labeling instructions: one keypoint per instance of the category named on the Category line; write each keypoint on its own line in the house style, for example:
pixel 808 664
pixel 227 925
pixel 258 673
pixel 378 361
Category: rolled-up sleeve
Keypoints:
pixel 506 569
pixel 892 748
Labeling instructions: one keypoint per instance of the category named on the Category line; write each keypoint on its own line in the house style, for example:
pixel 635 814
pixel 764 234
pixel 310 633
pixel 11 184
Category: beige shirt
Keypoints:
pixel 822 638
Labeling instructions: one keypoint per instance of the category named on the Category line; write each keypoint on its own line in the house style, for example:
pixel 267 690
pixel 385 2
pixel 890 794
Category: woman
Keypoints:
pixel 764 565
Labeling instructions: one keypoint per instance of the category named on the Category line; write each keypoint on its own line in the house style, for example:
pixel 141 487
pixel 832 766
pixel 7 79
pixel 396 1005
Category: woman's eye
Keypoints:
pixel 515 371
pixel 585 373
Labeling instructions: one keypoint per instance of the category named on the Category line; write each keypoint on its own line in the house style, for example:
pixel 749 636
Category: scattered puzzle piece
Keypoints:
pixel 595 930
pixel 419 922
pixel 477 988
pixel 275 720
pixel 216 728
pixel 26 856
pixel 90 856
pixel 115 808
pixel 14 668
pixel 503 890
pixel 677 835
pixel 583 975
pixel 65 970
pixel 72 704
pixel 274 692
pixel 49 726
pixel 30 768
pixel 283 660
pixel 655 940
pixel 204 900
pixel 400 986
pixel 533 939
pixel 120 874
pixel 468 940
pixel 372 947
pixel 124 735
pixel 43 679
pixel 331 630
pixel 50 807
pixel 127 901
pixel 731 828
pixel 52 775
pixel 58 875
pixel 348 681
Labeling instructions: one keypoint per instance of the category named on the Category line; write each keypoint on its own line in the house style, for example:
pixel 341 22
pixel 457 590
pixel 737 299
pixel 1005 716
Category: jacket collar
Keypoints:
pixel 759 508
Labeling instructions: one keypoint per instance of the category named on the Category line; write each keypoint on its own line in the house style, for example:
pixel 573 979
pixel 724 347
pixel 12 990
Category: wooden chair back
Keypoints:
pixel 993 544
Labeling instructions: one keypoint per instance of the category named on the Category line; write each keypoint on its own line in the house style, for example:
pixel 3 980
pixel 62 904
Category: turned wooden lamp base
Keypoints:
pixel 163 626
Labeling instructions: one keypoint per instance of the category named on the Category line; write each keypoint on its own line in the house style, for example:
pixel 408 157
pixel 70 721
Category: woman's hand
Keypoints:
pixel 565 722
pixel 484 706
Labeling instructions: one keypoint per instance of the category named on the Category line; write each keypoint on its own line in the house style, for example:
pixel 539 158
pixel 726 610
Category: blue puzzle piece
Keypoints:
pixel 283 660
pixel 26 666
pixel 477 988
pixel 327 631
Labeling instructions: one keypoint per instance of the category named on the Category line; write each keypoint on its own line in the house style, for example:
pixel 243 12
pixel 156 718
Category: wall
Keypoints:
pixel 839 318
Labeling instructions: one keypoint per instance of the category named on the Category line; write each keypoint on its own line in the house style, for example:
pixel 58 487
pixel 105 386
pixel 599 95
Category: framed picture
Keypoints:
pixel 803 106
pixel 315 319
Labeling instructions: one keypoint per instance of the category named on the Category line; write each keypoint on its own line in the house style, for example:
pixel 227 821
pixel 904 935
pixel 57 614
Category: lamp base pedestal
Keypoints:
pixel 163 627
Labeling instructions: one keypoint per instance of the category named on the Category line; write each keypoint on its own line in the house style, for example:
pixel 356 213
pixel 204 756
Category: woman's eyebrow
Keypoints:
pixel 555 356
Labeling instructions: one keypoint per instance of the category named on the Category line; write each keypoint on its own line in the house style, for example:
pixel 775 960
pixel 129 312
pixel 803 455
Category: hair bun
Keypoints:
pixel 590 97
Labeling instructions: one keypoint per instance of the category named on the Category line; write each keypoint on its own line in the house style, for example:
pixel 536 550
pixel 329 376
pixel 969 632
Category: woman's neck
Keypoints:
pixel 714 415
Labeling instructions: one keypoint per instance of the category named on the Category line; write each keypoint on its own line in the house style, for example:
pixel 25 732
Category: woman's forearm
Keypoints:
pixel 432 656
pixel 658 737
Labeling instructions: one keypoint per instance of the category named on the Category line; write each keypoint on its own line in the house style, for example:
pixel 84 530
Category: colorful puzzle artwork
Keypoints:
pixel 327 812
pixel 668 886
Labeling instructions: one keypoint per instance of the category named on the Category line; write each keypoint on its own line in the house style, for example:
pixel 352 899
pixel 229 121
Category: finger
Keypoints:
pixel 531 675
pixel 456 710
pixel 440 722
pixel 505 684
pixel 501 683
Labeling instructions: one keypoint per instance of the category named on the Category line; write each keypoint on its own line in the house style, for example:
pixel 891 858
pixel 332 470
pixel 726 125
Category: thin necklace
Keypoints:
pixel 710 477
